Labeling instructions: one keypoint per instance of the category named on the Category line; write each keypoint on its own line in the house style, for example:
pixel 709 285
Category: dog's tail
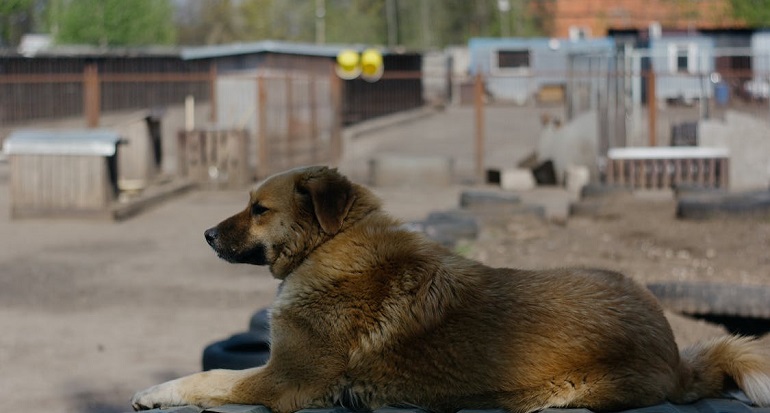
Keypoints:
pixel 705 367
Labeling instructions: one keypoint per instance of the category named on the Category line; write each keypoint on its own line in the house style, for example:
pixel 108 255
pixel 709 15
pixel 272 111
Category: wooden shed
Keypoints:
pixel 70 173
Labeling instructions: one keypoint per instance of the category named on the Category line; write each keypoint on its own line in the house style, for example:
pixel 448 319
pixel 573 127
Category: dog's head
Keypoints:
pixel 287 217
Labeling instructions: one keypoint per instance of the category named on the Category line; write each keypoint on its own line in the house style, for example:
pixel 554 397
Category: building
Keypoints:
pixel 598 18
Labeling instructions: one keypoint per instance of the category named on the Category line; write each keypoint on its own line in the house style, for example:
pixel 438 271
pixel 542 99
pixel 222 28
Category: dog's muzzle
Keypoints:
pixel 255 255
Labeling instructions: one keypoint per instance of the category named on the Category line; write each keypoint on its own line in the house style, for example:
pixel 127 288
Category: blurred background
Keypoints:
pixel 620 134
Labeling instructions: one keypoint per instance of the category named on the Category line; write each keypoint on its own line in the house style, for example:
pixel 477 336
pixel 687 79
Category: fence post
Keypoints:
pixel 313 118
pixel 291 132
pixel 479 141
pixel 336 85
pixel 213 92
pixel 263 166
pixel 91 94
pixel 652 107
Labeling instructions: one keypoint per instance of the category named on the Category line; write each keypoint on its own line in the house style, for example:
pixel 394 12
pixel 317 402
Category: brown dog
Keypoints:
pixel 371 314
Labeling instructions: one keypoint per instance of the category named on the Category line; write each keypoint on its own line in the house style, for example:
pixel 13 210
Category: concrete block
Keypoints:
pixel 517 179
pixel 411 171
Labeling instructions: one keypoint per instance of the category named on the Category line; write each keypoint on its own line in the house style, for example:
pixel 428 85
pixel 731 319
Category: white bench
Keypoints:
pixel 667 166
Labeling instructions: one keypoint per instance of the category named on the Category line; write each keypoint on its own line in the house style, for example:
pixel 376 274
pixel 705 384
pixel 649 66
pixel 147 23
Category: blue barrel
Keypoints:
pixel 722 93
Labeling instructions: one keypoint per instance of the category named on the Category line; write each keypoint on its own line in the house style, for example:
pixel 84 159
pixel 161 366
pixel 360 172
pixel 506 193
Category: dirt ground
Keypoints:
pixel 639 236
pixel 92 311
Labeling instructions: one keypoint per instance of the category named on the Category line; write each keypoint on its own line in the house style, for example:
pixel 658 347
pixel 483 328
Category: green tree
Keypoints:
pixel 17 17
pixel 356 21
pixel 756 13
pixel 114 22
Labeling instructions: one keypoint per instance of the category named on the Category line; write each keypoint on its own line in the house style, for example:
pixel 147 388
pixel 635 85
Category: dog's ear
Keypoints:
pixel 332 197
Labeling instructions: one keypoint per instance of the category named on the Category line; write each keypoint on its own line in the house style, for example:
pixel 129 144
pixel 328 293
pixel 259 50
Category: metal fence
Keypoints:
pixel 630 104
pixel 79 88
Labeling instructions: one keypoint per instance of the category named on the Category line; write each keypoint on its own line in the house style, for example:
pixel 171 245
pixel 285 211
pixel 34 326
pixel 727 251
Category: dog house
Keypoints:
pixel 62 173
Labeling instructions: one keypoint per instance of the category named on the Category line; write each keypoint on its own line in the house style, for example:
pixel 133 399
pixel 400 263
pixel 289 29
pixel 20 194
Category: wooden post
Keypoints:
pixel 314 120
pixel 480 123
pixel 289 155
pixel 213 92
pixel 263 167
pixel 336 85
pixel 652 107
pixel 91 95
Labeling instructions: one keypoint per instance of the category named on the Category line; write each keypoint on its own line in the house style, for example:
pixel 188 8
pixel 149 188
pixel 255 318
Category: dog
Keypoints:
pixel 370 314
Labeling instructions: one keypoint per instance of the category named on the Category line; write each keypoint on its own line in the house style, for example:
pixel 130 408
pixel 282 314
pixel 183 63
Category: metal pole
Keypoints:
pixel 479 142
pixel 652 102
pixel 391 15
pixel 320 21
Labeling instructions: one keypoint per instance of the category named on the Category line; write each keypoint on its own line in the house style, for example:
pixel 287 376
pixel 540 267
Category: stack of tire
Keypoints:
pixel 242 350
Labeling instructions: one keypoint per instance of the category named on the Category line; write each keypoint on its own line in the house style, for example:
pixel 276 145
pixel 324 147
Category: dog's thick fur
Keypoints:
pixel 370 314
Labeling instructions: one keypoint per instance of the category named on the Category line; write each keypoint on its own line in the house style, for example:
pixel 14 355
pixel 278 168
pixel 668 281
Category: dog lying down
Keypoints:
pixel 370 314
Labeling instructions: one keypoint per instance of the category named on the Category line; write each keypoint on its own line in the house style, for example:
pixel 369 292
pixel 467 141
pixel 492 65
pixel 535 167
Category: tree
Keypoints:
pixel 114 22
pixel 756 13
pixel 17 17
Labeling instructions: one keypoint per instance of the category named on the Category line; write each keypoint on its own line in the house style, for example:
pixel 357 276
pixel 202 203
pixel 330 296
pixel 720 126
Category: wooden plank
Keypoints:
pixel 263 163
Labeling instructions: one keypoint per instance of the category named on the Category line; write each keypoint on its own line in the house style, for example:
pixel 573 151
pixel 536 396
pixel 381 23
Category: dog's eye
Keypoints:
pixel 258 209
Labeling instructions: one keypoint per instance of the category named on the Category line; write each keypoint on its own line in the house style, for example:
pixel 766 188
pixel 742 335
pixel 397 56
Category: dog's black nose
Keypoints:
pixel 211 235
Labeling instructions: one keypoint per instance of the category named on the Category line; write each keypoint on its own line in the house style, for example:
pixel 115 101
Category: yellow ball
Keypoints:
pixel 348 64
pixel 371 65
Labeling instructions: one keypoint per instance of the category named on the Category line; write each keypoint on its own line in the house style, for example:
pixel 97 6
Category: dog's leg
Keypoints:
pixel 260 385
pixel 206 389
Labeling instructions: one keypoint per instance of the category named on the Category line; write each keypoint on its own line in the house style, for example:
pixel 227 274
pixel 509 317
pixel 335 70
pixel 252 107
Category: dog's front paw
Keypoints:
pixel 157 397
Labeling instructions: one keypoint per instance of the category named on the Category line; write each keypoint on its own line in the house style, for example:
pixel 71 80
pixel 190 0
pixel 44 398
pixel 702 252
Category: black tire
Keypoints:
pixel 595 190
pixel 485 199
pixel 240 351
pixel 710 205
pixel 448 227
pixel 260 321
pixel 712 298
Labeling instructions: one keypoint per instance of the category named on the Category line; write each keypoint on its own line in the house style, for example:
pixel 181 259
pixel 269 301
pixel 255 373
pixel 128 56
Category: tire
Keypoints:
pixel 487 199
pixel 595 190
pixel 710 205
pixel 712 298
pixel 448 227
pixel 260 321
pixel 240 351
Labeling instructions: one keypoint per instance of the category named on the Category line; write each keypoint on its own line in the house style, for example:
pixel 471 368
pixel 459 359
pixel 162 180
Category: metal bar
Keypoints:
pixel 652 108
pixel 480 124
pixel 39 78
pixel 158 77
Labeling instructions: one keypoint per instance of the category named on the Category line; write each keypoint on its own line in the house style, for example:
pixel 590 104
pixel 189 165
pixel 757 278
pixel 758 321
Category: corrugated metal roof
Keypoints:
pixel 96 142
pixel 198 52
pixel 78 51
pixel 272 46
